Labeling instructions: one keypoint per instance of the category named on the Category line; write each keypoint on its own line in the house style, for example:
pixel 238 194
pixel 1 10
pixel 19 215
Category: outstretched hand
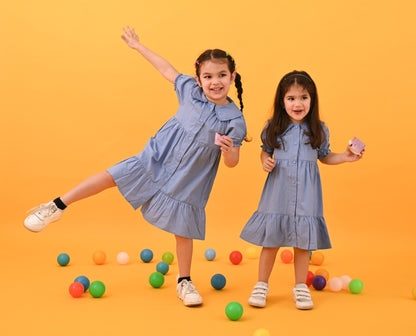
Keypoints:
pixel 130 37
pixel 350 156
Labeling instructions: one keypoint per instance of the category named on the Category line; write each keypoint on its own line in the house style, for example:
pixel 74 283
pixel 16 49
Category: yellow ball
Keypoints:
pixel 252 253
pixel 317 258
pixel 414 292
pixel 261 332
pixel 323 272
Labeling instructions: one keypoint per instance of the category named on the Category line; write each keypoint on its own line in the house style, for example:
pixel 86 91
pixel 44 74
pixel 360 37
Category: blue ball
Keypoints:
pixel 63 259
pixel 218 281
pixel 84 280
pixel 162 267
pixel 146 255
pixel 210 254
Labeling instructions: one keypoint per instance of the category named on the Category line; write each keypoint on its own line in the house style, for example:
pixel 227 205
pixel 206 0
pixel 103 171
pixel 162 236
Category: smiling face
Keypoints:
pixel 297 103
pixel 215 79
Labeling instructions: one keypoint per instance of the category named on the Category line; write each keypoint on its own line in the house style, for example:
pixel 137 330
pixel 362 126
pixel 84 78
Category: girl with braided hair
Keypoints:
pixel 172 177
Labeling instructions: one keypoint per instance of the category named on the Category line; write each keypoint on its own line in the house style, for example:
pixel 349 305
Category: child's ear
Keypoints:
pixel 233 76
pixel 197 80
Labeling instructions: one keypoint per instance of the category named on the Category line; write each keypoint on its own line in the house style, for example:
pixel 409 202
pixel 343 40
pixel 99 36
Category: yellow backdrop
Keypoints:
pixel 75 100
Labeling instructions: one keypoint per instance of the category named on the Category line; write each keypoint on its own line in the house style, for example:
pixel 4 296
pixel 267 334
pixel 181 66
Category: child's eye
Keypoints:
pixel 305 97
pixel 207 77
pixel 290 99
pixel 223 75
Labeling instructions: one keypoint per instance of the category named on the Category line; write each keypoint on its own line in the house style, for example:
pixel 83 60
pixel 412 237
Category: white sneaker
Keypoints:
pixel 259 294
pixel 302 297
pixel 42 216
pixel 188 293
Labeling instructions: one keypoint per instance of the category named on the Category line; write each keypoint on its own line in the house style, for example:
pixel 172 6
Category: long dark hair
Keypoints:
pixel 281 120
pixel 218 54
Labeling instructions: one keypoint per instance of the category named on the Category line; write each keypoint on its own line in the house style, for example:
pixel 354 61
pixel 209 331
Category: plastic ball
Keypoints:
pixel 63 259
pixel 168 257
pixel 236 257
pixel 319 282
pixel 346 279
pixel 76 289
pixel 261 332
pixel 156 279
pixel 234 311
pixel 317 258
pixel 323 272
pixel 218 281
pixel 414 292
pixel 310 255
pixel 309 278
pixel 97 289
pixel 286 256
pixel 84 280
pixel 146 255
pixel 123 258
pixel 356 286
pixel 99 257
pixel 252 253
pixel 162 267
pixel 335 284
pixel 210 254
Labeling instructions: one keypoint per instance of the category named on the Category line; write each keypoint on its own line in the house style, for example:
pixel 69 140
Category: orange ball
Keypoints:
pixel 323 272
pixel 317 258
pixel 286 256
pixel 99 257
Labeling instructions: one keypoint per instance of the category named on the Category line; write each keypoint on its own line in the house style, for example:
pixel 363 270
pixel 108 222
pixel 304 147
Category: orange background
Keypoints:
pixel 75 100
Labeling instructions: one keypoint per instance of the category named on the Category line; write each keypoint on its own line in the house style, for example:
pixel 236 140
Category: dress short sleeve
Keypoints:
pixel 184 86
pixel 264 145
pixel 323 149
pixel 237 130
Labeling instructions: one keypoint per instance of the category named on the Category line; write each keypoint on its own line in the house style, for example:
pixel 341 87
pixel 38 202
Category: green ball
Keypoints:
pixel 234 311
pixel 156 279
pixel 356 286
pixel 97 289
pixel 168 257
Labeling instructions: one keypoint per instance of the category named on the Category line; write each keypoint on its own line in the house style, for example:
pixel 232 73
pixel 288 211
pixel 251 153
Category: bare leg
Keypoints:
pixel 184 250
pixel 91 186
pixel 301 265
pixel 266 263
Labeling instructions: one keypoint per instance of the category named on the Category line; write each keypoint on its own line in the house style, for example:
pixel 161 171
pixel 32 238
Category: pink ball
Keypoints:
pixel 346 279
pixel 236 257
pixel 335 284
pixel 123 258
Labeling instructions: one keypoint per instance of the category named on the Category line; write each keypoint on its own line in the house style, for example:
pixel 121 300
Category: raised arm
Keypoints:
pixel 163 66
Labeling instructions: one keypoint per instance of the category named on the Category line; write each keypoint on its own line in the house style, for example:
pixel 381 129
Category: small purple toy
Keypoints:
pixel 356 146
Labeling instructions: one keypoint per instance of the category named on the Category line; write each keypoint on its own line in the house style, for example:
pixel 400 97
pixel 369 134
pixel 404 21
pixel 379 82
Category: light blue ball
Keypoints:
pixel 162 267
pixel 84 280
pixel 218 281
pixel 210 254
pixel 146 255
pixel 63 259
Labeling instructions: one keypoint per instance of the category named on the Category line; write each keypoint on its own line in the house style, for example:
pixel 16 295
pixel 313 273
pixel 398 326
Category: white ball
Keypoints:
pixel 123 258
pixel 335 284
pixel 346 279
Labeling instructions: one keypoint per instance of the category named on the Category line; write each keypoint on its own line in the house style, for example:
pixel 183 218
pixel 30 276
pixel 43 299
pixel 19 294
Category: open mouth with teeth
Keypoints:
pixel 216 90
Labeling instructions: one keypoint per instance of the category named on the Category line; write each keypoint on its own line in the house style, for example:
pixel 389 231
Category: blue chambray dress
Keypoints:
pixel 172 177
pixel 290 212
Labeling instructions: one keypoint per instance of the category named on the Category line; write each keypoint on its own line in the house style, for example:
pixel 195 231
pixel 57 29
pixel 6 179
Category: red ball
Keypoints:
pixel 76 289
pixel 286 256
pixel 236 257
pixel 309 278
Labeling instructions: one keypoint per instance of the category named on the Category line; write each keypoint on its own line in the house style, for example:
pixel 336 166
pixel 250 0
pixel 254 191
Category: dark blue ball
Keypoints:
pixel 218 281
pixel 84 280
pixel 146 255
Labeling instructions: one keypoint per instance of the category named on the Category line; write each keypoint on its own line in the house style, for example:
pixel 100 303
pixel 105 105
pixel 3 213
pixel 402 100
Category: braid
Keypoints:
pixel 239 87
